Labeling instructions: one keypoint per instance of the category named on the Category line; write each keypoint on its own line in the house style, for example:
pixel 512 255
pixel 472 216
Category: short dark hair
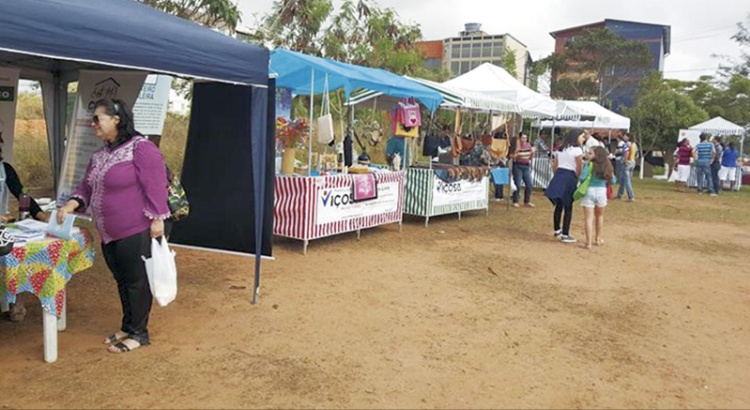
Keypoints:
pixel 704 136
pixel 571 138
pixel 126 127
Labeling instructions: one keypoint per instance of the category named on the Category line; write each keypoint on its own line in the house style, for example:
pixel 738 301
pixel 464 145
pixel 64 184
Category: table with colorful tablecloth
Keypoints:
pixel 44 267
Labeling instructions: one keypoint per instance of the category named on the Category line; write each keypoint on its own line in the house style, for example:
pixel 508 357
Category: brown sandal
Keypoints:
pixel 124 346
pixel 115 337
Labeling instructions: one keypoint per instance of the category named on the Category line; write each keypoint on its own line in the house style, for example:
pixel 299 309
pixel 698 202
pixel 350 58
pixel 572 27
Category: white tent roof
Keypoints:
pixel 593 114
pixel 452 98
pixel 495 81
pixel 719 126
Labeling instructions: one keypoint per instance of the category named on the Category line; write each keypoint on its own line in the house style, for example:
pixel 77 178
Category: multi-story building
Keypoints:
pixel 473 47
pixel 656 36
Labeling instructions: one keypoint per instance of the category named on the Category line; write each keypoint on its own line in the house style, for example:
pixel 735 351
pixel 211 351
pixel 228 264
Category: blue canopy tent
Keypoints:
pixel 305 74
pixel 51 40
pixel 298 72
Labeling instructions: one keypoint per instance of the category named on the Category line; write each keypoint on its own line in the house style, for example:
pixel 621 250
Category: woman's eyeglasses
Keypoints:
pixel 96 119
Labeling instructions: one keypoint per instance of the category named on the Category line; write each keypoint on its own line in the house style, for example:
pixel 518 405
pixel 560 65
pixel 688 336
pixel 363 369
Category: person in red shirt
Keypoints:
pixel 682 155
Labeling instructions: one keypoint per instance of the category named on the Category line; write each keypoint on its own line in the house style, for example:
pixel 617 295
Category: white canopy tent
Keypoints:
pixel 452 98
pixel 494 81
pixel 719 126
pixel 592 115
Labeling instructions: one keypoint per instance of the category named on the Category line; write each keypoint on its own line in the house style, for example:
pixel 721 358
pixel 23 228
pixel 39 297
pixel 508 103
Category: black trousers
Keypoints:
pixel 123 258
pixel 559 209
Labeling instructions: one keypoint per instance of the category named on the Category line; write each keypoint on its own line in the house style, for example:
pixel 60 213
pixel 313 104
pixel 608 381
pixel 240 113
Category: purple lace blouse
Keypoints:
pixel 126 188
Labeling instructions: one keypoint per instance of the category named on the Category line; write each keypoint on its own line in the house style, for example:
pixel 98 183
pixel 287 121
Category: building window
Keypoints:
pixel 455 51
pixel 498 49
pixel 455 67
pixel 487 50
pixel 476 51
pixel 432 62
pixel 473 65
pixel 466 51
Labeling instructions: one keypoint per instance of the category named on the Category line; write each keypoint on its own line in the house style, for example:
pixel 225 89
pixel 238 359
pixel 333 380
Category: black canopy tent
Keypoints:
pixel 51 40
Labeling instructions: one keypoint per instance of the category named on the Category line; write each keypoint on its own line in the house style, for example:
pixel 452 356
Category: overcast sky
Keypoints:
pixel 700 28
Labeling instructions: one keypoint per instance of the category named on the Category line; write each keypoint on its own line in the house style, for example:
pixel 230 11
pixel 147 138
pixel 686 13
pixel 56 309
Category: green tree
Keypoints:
pixel 508 62
pixel 596 64
pixel 739 66
pixel 359 32
pixel 221 14
pixel 660 111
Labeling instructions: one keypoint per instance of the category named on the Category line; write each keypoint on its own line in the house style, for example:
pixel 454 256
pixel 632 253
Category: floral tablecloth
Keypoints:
pixel 44 267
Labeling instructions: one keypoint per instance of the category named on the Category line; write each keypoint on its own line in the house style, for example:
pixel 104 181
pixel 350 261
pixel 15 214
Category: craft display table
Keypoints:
pixel 44 267
pixel 429 195
pixel 307 208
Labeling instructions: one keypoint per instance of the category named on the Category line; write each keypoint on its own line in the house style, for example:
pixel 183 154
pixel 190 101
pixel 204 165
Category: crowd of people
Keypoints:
pixel 715 164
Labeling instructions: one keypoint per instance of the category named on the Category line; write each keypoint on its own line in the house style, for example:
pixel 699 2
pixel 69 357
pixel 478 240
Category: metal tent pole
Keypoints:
pixel 310 127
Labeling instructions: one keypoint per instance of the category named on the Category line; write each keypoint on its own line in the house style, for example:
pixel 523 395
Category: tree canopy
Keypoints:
pixel 221 14
pixel 660 111
pixel 358 32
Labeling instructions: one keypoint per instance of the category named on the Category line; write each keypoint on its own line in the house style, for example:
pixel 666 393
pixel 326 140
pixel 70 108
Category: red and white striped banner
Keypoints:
pixel 316 207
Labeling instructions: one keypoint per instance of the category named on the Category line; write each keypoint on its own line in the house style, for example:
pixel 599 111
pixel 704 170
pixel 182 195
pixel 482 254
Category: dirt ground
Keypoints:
pixel 486 312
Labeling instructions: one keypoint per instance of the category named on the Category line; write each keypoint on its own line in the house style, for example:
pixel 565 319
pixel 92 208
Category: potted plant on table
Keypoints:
pixel 290 135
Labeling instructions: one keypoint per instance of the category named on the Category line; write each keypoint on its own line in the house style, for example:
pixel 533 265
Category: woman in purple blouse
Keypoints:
pixel 125 187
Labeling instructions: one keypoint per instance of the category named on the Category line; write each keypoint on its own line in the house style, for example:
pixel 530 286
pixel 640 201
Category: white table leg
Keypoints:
pixel 62 321
pixel 4 306
pixel 50 336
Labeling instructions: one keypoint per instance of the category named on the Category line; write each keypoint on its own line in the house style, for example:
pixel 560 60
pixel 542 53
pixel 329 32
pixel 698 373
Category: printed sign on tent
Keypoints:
pixel 451 193
pixel 82 140
pixel 337 204
pixel 8 97
pixel 150 109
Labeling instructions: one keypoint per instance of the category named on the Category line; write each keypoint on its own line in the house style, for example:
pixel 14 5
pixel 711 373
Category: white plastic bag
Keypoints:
pixel 513 187
pixel 162 272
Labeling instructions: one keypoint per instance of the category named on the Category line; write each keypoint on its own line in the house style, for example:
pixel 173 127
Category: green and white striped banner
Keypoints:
pixel 422 187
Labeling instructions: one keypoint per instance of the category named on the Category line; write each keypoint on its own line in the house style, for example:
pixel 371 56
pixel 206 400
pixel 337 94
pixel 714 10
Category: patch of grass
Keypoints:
pixel 658 199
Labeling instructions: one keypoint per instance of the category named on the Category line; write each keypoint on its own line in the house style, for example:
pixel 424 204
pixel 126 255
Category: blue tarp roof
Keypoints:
pixel 295 71
pixel 123 33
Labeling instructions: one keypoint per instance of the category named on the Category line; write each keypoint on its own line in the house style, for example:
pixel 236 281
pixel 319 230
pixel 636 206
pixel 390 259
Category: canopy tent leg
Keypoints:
pixel 426 221
pixel 304 246
pixel 310 124
pixel 262 134
pixel 55 96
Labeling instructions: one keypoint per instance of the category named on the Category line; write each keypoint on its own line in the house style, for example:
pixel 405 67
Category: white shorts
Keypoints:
pixel 683 173
pixel 728 173
pixel 595 197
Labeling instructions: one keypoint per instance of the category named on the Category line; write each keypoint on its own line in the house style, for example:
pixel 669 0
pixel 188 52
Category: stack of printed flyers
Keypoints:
pixel 32 230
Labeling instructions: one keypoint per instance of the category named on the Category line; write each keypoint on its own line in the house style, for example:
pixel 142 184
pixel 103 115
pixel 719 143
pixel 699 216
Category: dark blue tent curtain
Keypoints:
pixel 124 33
pixel 228 128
